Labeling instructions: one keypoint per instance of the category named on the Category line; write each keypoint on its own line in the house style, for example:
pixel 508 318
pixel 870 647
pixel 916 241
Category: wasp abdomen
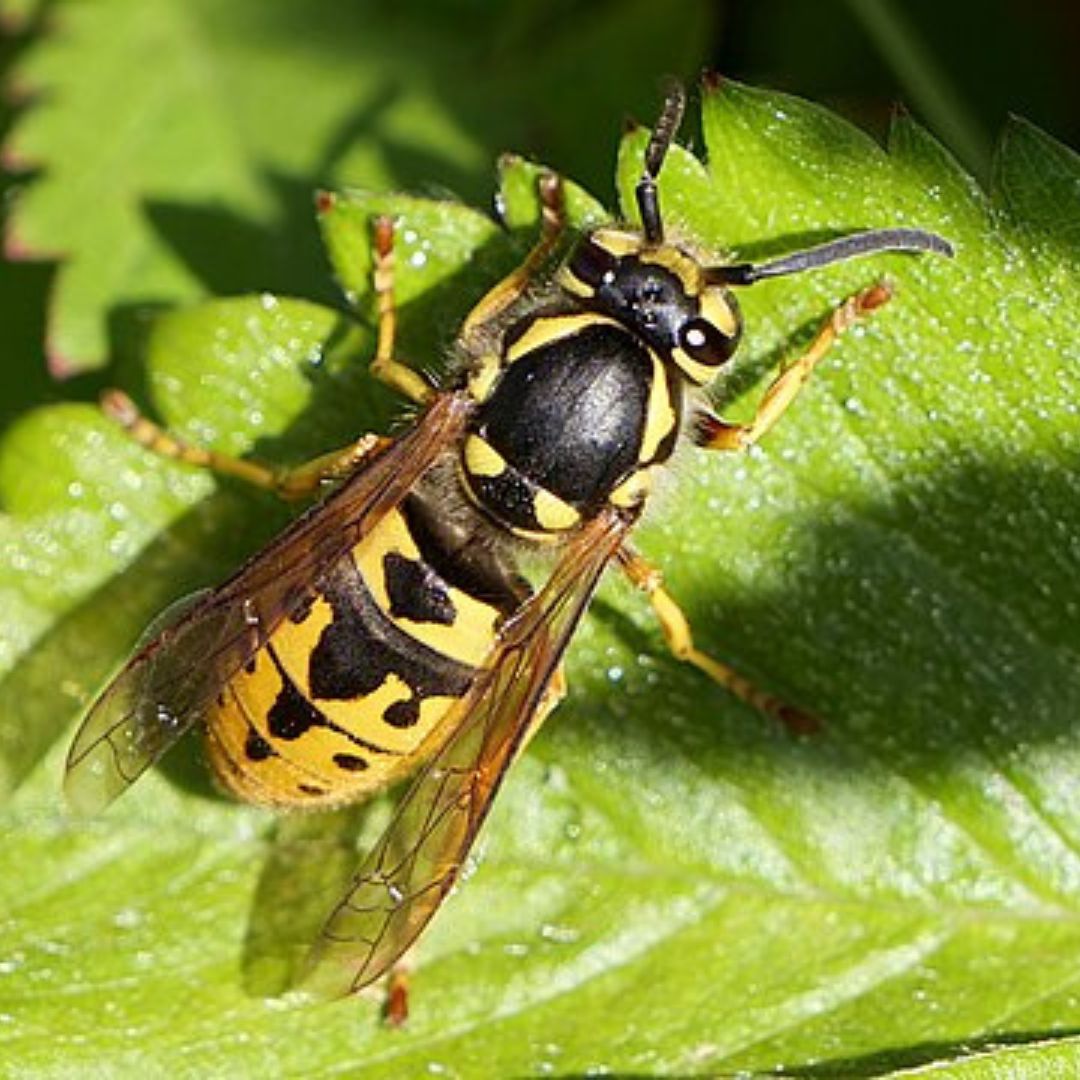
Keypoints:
pixel 342 697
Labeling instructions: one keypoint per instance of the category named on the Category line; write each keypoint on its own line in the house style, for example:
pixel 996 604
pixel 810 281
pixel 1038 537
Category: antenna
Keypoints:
pixel 663 135
pixel 847 247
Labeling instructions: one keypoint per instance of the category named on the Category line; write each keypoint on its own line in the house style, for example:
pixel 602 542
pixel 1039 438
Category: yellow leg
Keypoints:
pixel 716 434
pixel 676 630
pixel 384 366
pixel 552 224
pixel 396 1002
pixel 290 483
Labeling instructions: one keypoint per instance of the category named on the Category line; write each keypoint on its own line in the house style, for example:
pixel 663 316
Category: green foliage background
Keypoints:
pixel 669 887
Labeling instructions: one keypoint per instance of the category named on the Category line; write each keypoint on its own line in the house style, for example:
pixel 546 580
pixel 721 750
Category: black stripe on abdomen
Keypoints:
pixel 363 646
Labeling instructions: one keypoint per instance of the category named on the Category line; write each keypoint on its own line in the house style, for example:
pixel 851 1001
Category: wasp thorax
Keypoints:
pixel 659 293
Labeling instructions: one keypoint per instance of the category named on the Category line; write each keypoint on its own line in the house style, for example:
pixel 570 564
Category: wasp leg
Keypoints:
pixel 290 483
pixel 384 366
pixel 676 629
pixel 552 226
pixel 716 434
pixel 396 1003
pixel 308 478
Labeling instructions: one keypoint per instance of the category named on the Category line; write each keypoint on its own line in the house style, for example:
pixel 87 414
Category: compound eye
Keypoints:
pixel 593 265
pixel 705 343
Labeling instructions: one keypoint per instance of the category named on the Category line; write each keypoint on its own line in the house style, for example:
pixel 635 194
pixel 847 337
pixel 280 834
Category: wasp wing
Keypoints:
pixel 170 682
pixel 404 879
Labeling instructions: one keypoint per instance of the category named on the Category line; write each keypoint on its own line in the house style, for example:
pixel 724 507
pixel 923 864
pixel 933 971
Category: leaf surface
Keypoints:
pixel 176 144
pixel 669 886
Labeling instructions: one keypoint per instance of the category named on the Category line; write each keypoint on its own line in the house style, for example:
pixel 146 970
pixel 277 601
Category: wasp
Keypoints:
pixel 389 630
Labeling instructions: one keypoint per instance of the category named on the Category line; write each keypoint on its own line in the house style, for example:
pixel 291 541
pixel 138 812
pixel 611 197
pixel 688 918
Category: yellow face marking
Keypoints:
pixel 633 490
pixel 717 309
pixel 569 281
pixel 483 377
pixel 552 513
pixel 685 268
pixel 544 331
pixel 695 372
pixel 482 459
pixel 660 417
pixel 618 242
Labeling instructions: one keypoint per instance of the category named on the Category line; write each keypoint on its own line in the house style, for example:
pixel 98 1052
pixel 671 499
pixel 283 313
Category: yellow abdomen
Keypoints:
pixel 349 694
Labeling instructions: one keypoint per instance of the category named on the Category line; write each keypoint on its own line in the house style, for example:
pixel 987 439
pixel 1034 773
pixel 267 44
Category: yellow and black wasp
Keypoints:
pixel 389 629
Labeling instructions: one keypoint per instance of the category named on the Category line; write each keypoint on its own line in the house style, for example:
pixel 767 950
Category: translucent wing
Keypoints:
pixel 404 879
pixel 169 683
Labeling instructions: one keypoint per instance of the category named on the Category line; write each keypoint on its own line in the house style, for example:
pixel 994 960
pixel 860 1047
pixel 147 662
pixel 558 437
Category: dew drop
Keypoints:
pixel 165 717
pixel 559 935
pixel 127 918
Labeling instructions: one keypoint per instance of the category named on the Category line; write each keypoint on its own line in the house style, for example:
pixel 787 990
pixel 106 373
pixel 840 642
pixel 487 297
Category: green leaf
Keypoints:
pixel 16 14
pixel 668 884
pixel 179 141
